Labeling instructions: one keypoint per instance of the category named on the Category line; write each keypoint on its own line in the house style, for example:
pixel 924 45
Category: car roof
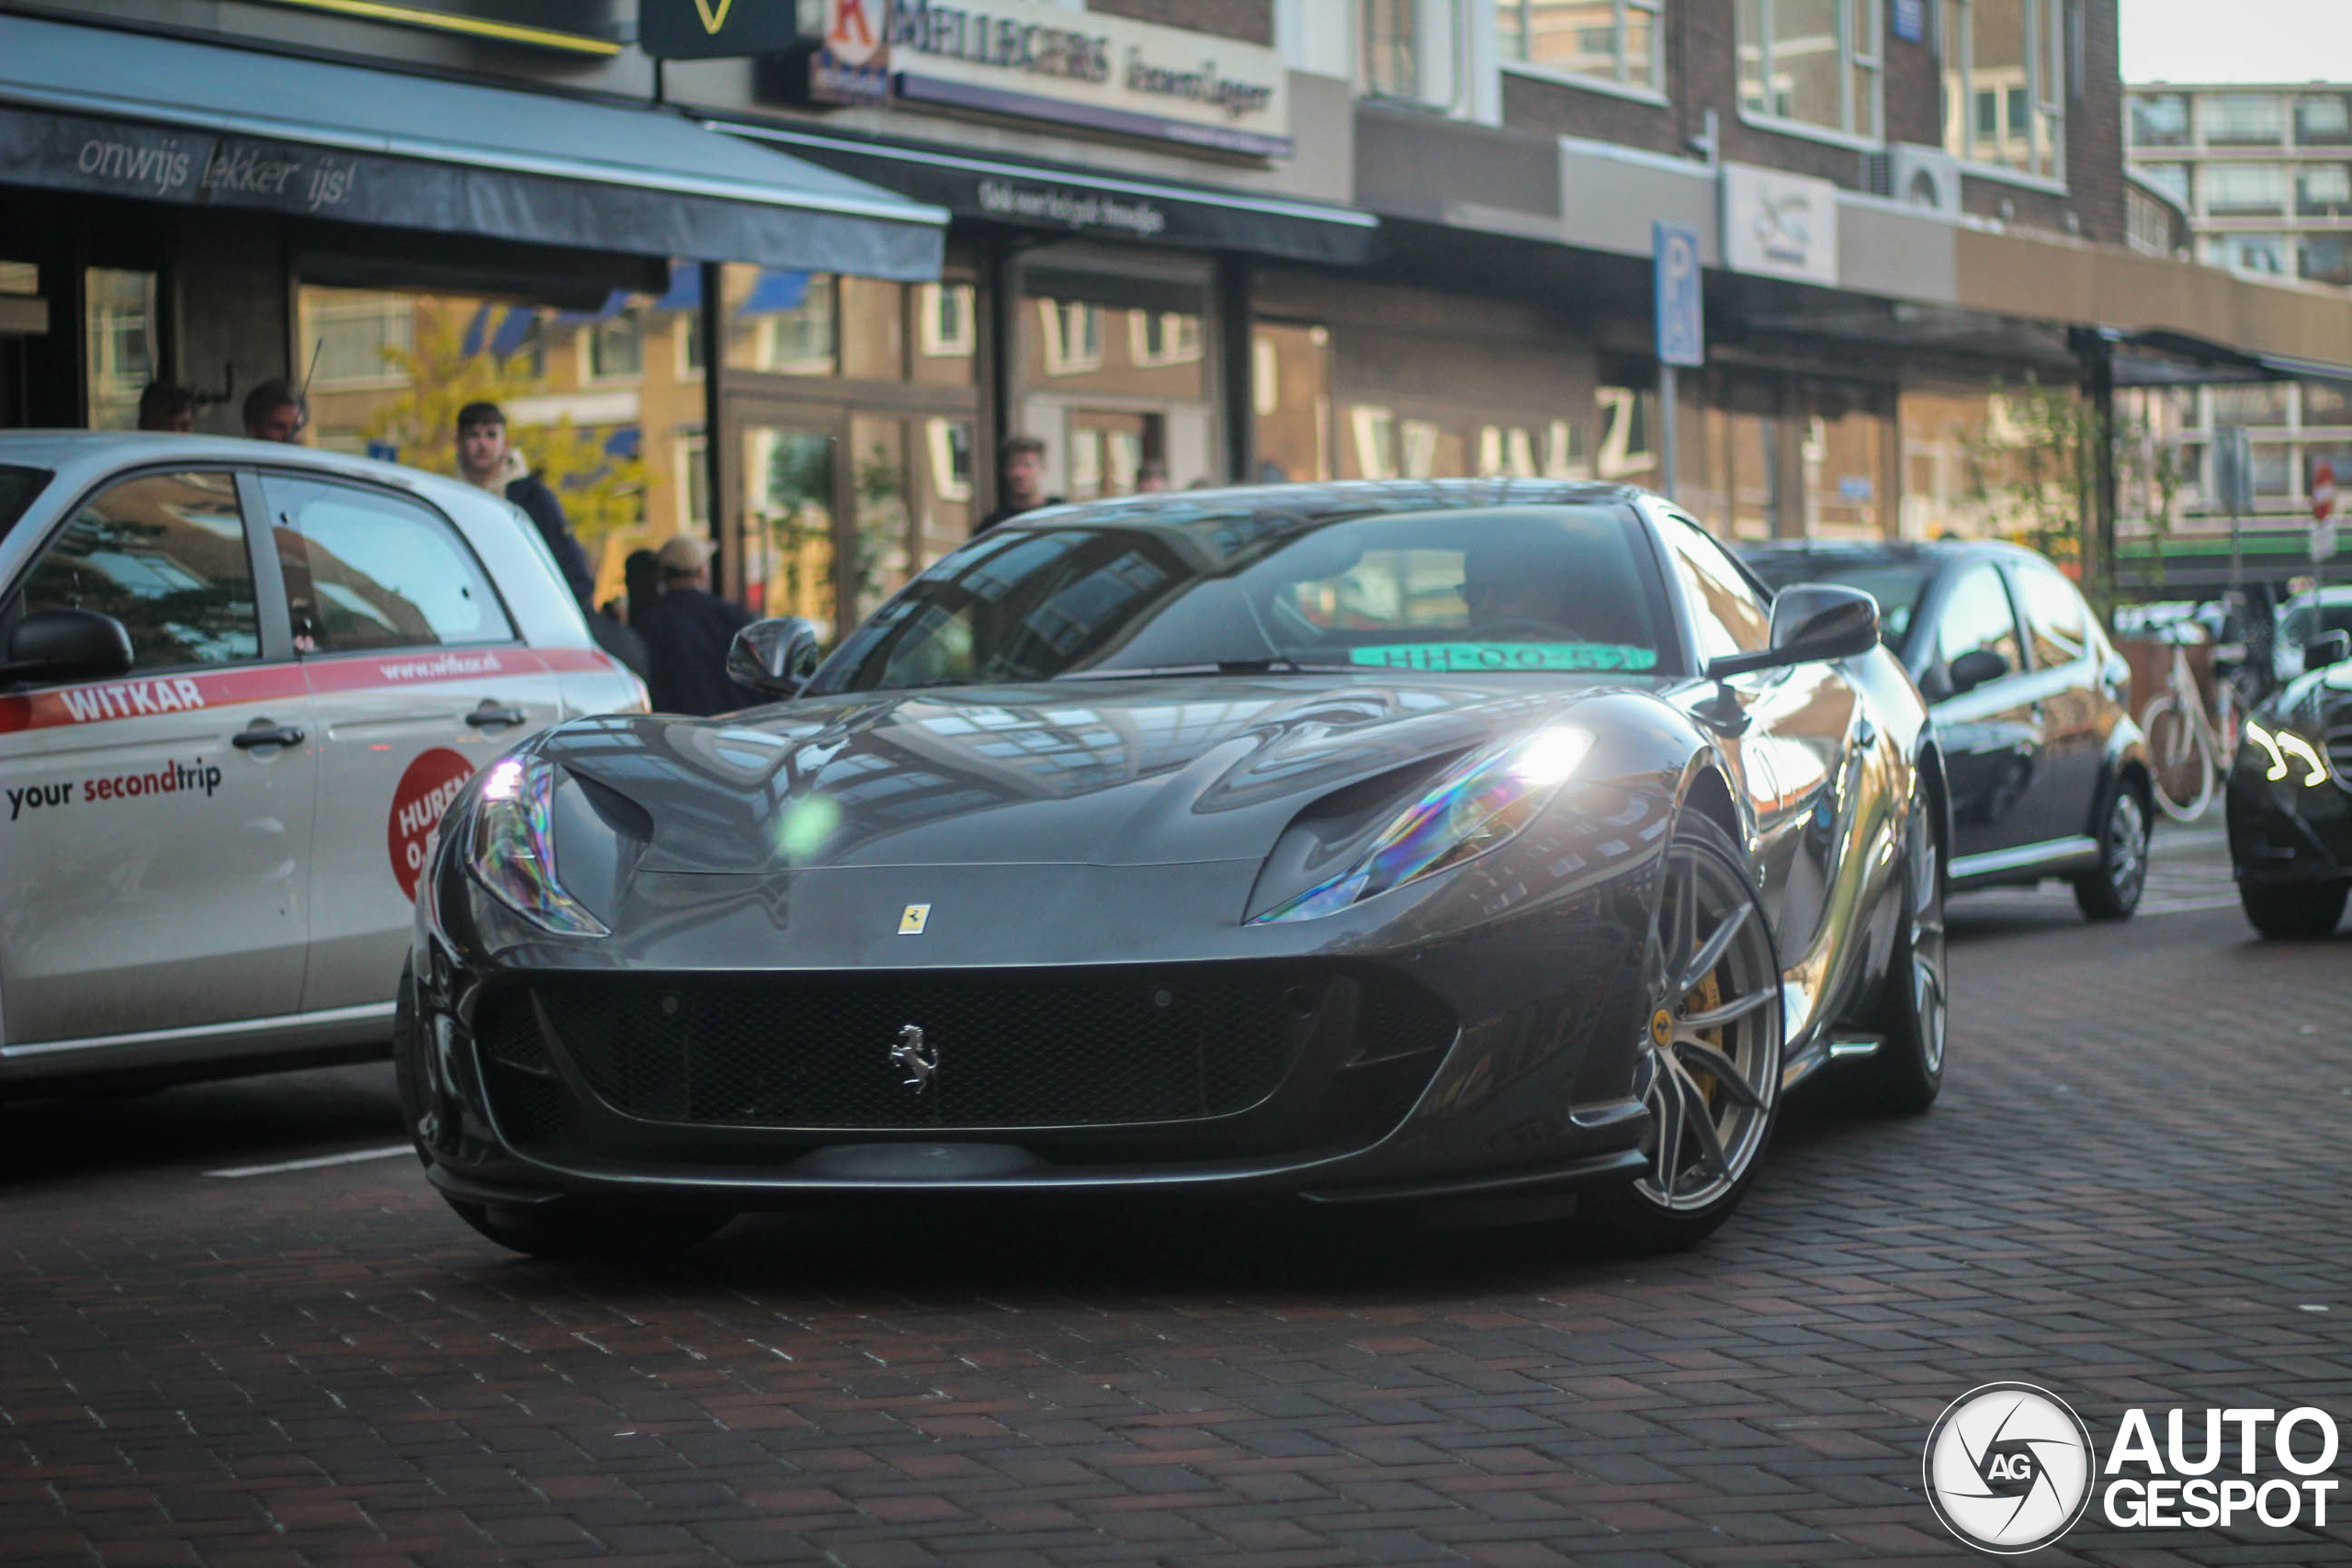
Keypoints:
pixel 76 456
pixel 1336 499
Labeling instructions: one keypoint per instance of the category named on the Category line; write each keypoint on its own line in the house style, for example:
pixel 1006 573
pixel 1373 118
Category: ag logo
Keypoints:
pixel 2008 1468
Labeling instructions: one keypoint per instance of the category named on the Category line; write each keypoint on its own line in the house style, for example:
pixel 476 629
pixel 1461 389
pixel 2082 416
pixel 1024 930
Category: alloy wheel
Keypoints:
pixel 1711 1058
pixel 1929 1004
pixel 2127 846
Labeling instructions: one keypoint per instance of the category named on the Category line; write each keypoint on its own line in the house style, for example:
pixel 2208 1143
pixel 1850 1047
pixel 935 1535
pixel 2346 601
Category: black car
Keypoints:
pixel 2049 773
pixel 1357 844
pixel 2289 799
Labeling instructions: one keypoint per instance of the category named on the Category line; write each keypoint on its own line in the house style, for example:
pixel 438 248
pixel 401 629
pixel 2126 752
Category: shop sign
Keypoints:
pixel 1779 224
pixel 720 29
pixel 851 62
pixel 1038 60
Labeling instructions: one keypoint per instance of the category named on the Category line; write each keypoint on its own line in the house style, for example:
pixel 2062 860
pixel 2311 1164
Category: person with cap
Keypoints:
pixel 687 632
pixel 489 461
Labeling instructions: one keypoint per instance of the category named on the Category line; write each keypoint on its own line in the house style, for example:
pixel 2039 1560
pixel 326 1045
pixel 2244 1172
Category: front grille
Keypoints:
pixel 1012 1052
pixel 526 1097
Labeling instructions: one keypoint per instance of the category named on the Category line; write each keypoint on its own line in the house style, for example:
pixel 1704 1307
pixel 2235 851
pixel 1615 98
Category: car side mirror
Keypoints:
pixel 2328 647
pixel 777 655
pixel 1811 621
pixel 64 644
pixel 1976 667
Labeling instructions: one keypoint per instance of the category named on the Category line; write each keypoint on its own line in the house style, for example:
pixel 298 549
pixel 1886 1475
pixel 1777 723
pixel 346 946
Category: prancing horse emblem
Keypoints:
pixel 920 1062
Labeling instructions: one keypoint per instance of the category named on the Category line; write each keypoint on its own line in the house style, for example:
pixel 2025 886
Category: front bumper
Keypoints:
pixel 2284 831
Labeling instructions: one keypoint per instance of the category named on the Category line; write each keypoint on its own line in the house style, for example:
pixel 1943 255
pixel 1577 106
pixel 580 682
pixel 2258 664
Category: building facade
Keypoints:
pixel 1179 240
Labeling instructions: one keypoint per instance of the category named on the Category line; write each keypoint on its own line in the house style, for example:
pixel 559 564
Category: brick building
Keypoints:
pixel 1232 238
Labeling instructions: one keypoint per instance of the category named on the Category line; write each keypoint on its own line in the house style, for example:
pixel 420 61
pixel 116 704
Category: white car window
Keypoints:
pixel 165 555
pixel 365 569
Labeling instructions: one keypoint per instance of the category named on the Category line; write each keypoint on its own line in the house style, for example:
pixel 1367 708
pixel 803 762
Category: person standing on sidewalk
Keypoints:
pixel 1020 481
pixel 489 461
pixel 687 632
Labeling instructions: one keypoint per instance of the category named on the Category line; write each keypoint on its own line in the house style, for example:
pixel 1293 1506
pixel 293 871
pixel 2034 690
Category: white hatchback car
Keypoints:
pixel 238 684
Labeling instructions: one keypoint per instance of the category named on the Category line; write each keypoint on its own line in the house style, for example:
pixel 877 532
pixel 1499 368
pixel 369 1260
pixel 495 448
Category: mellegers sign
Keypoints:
pixel 1038 60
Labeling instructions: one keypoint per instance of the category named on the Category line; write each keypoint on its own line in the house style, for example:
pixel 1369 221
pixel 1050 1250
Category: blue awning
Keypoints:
pixel 686 289
pixel 622 443
pixel 513 332
pixel 137 115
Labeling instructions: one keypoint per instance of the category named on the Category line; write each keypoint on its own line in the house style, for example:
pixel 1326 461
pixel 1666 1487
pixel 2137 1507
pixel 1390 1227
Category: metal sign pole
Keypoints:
pixel 1666 399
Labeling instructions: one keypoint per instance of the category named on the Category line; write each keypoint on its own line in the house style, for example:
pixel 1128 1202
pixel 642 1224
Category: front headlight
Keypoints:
pixel 2288 753
pixel 1470 807
pixel 514 847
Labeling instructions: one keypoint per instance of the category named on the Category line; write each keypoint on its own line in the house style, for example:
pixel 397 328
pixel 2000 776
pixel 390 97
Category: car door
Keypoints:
pixel 1990 733
pixel 417 678
pixel 157 824
pixel 2069 695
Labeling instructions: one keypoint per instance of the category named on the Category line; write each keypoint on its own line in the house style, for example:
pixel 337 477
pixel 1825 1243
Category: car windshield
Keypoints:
pixel 1251 589
pixel 1897 585
pixel 2305 622
pixel 18 488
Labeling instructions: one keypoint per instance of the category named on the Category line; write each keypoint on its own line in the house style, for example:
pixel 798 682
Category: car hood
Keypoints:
pixel 2318 700
pixel 1101 772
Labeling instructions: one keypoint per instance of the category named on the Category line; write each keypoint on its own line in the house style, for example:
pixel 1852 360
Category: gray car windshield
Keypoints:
pixel 1530 588
pixel 1897 585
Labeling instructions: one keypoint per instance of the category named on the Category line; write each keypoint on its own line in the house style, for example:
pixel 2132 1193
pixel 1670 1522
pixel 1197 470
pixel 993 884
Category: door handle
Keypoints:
pixel 261 732
pixel 491 715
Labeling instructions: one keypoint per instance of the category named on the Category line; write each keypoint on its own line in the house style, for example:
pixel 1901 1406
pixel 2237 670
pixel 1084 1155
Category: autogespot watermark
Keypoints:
pixel 2010 1468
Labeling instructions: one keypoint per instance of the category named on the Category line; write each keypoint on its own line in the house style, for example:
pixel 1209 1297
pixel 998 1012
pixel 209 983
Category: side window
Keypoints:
pixel 2055 615
pixel 1730 616
pixel 365 569
pixel 165 554
pixel 1977 616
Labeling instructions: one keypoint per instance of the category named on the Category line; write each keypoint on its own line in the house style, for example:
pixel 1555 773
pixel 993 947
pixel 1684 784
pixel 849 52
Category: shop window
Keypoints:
pixel 949 445
pixel 2323 190
pixel 2327 403
pixel 2005 75
pixel 2323 119
pixel 1844 487
pixel 359 338
pixel 2240 191
pixel 781 321
pixel 1163 337
pixel 2249 252
pixel 1073 335
pixel 1811 62
pixel 19 277
pixel 1410 49
pixel 2160 119
pixel 690 463
pixel 2244 120
pixel 1618 41
pixel 2263 403
pixel 617 346
pixel 124 350
pixel 785 550
pixel 1626 453
pixel 2274 470
pixel 1291 395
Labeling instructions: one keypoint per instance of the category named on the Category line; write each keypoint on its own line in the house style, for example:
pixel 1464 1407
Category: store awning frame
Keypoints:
pixel 167 118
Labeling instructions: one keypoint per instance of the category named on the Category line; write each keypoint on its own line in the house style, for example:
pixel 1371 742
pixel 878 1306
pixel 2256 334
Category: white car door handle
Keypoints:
pixel 263 733
pixel 491 715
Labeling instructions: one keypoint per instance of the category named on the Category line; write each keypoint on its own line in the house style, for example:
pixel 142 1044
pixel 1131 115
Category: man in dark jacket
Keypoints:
pixel 488 460
pixel 687 631
pixel 1019 481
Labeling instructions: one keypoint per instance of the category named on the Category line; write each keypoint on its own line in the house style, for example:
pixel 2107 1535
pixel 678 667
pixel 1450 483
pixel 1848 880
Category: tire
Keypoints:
pixel 573 1233
pixel 2182 777
pixel 2113 891
pixel 2293 912
pixel 1915 1012
pixel 1701 1170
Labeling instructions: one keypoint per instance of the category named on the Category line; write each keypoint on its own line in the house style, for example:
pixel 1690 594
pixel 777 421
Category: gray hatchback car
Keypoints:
pixel 238 684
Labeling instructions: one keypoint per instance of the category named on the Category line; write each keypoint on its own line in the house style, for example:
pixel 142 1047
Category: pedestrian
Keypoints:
pixel 1021 480
pixel 687 632
pixel 640 583
pixel 166 407
pixel 276 410
pixel 489 460
pixel 1151 476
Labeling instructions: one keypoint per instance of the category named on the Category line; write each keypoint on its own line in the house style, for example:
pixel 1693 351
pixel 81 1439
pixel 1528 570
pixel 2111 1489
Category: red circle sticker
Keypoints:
pixel 425 790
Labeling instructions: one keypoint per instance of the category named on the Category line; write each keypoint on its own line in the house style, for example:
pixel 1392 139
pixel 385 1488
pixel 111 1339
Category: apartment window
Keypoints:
pixel 1073 336
pixel 2004 82
pixel 2172 178
pixel 2245 119
pixel 2326 258
pixel 1410 50
pixel 356 336
pixel 2259 403
pixel 2249 253
pixel 1813 61
pixel 2323 190
pixel 948 330
pixel 2323 119
pixel 2239 190
pixel 2147 223
pixel 617 346
pixel 1610 40
pixel 2160 119
pixel 1162 337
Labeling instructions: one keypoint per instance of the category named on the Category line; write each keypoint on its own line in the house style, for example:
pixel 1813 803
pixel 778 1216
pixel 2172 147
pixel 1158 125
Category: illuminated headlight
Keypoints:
pixel 1474 805
pixel 2287 753
pixel 514 847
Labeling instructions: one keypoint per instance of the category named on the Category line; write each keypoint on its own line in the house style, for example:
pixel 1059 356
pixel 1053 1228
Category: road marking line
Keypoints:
pixel 352 1158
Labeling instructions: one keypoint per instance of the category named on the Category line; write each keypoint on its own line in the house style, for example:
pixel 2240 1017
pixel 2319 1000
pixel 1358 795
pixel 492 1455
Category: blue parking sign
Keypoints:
pixel 1681 300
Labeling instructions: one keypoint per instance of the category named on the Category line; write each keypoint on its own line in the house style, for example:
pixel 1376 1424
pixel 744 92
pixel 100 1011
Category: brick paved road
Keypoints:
pixel 2133 1192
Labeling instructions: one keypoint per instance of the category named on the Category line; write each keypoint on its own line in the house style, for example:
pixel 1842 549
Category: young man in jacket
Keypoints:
pixel 488 460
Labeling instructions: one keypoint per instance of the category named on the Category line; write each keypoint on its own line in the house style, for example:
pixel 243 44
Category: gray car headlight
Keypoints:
pixel 513 853
pixel 1474 805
